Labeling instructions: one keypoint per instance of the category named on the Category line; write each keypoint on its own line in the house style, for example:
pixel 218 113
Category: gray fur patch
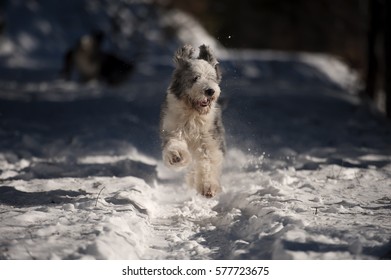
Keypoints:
pixel 182 79
pixel 219 131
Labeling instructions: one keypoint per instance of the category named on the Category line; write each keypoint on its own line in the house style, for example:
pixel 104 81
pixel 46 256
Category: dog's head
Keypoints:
pixel 196 80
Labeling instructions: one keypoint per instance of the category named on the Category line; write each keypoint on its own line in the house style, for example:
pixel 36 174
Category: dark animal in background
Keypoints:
pixel 89 62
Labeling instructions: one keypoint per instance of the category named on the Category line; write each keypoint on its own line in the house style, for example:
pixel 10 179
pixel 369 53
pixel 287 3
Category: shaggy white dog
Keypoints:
pixel 191 126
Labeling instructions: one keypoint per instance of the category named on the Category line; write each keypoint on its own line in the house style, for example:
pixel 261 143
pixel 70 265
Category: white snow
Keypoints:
pixel 307 173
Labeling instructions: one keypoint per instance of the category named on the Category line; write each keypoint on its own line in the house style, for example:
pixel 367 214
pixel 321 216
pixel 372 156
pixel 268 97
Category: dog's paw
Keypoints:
pixel 177 158
pixel 210 190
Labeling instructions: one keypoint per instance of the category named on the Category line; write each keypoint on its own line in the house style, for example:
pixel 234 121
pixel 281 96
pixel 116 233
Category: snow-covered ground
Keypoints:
pixel 307 174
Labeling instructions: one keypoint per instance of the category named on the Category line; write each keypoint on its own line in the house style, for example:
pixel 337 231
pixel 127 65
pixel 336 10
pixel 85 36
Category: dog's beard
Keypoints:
pixel 201 105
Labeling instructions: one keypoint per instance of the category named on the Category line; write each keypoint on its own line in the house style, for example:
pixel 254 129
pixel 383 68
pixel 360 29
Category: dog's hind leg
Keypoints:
pixel 208 170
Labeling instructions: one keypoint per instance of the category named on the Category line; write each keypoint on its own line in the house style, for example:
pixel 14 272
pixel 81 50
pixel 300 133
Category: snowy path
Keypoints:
pixel 132 220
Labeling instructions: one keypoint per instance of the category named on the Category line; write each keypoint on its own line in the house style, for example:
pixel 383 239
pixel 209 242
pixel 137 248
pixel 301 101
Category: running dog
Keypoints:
pixel 191 126
pixel 89 62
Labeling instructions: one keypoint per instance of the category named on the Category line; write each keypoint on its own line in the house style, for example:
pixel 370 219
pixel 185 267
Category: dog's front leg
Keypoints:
pixel 176 153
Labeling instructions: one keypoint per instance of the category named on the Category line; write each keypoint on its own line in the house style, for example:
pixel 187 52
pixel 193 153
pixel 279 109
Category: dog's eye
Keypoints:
pixel 196 78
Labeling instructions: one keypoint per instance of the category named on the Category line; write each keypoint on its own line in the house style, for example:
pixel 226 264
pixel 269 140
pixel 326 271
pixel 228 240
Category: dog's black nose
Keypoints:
pixel 209 91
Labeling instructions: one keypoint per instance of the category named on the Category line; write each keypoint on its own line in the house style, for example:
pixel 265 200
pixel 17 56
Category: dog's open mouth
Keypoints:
pixel 205 102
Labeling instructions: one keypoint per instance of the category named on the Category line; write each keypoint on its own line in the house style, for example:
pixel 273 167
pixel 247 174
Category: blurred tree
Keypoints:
pixel 374 26
pixel 387 55
pixel 2 18
pixel 379 52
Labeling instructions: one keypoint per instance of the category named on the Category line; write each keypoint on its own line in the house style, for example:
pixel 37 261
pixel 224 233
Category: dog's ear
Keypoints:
pixel 207 55
pixel 183 55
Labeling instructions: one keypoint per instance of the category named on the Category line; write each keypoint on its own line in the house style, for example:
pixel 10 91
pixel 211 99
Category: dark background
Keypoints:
pixel 330 26
pixel 353 30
